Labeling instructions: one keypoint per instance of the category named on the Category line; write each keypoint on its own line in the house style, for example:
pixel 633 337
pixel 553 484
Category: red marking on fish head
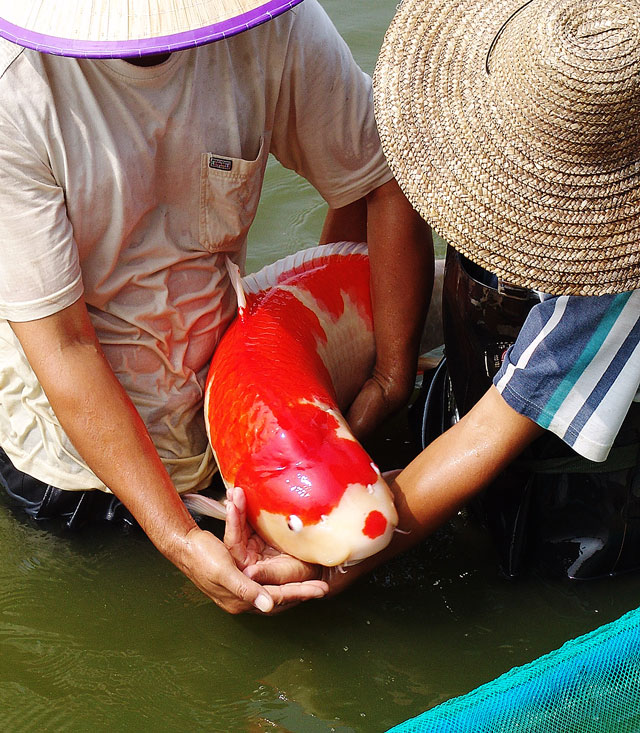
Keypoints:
pixel 375 525
pixel 301 450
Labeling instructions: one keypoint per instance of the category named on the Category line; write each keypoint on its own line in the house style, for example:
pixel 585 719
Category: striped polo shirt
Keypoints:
pixel 575 368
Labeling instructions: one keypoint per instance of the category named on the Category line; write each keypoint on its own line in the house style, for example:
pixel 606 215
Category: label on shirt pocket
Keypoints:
pixel 229 195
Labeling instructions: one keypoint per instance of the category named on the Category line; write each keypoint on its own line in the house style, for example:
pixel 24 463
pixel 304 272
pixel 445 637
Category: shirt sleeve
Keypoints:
pixel 324 127
pixel 575 368
pixel 40 271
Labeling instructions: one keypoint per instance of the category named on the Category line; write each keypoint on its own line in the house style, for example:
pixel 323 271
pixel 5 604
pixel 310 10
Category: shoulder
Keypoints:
pixel 310 21
pixel 21 72
pixel 304 23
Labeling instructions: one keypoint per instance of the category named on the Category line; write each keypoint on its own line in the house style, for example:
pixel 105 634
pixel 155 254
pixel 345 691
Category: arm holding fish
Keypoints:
pixel 402 265
pixel 106 429
pixel 446 475
pixel 325 130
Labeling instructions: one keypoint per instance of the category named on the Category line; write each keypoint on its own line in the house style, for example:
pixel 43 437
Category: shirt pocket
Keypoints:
pixel 229 195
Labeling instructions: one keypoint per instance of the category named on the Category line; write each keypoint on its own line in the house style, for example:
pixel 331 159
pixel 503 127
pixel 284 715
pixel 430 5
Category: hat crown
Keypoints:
pixel 591 33
pixel 579 64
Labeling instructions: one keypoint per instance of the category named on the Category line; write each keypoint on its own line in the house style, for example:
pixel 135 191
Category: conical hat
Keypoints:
pixel 125 28
pixel 514 129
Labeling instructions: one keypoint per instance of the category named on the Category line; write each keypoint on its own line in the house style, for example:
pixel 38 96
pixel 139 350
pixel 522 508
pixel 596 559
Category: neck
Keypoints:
pixel 152 60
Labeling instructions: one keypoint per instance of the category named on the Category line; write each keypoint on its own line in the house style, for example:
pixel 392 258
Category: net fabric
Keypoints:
pixel 589 685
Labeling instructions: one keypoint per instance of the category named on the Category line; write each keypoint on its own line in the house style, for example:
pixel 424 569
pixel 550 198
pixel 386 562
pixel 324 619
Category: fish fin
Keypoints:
pixel 236 282
pixel 204 505
pixel 298 262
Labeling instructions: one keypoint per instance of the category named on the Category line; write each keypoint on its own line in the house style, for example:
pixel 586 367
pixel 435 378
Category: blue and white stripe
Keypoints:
pixel 575 368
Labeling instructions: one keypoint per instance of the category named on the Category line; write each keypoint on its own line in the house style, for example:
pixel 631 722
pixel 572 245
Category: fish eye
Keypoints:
pixel 294 523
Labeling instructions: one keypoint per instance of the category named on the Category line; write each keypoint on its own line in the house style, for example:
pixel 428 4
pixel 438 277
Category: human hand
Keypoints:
pixel 383 394
pixel 209 565
pixel 287 579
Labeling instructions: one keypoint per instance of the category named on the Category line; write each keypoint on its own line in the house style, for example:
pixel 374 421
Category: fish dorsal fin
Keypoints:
pixel 236 282
pixel 296 263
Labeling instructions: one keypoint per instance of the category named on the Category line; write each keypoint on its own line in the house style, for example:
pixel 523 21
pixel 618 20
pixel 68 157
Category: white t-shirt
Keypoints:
pixel 129 185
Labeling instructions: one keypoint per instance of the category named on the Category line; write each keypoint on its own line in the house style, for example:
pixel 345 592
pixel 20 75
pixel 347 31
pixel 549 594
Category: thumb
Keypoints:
pixel 263 602
pixel 254 594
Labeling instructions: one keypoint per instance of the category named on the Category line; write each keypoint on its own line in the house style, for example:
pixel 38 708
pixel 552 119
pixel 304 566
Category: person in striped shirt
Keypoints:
pixel 524 153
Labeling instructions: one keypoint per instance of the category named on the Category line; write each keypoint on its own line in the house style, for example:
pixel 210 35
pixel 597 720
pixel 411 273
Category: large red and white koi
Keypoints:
pixel 299 351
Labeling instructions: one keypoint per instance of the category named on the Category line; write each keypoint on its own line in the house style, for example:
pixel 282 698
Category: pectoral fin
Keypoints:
pixel 204 505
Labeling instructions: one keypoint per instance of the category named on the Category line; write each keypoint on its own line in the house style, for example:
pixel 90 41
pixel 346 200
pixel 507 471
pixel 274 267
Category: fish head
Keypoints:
pixel 360 525
pixel 319 497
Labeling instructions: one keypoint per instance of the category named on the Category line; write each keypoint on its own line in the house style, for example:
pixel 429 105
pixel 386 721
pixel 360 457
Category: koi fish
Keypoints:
pixel 298 353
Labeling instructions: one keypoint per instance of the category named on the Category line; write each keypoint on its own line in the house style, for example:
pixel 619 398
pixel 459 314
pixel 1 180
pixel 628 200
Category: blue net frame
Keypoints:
pixel 591 684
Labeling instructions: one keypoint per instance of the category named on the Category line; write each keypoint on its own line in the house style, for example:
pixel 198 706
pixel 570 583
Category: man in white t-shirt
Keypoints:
pixel 127 173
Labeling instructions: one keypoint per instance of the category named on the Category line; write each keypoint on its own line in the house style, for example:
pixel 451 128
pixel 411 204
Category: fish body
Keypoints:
pixel 298 353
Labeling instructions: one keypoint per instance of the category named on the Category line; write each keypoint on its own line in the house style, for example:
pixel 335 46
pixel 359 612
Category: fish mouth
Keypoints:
pixel 373 547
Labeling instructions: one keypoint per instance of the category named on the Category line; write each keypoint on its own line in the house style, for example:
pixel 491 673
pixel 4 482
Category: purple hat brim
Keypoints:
pixel 145 46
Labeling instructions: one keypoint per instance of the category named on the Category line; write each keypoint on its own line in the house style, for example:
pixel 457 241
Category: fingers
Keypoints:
pixel 245 599
pixel 288 580
pixel 381 395
pixel 232 526
pixel 237 593
pixel 290 595
pixel 263 603
pixel 234 536
pixel 209 564
pixel 243 546
pixel 236 495
pixel 271 581
pixel 290 592
pixel 282 569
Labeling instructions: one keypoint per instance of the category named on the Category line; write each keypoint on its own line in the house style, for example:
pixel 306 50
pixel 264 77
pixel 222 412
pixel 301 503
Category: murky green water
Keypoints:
pixel 99 633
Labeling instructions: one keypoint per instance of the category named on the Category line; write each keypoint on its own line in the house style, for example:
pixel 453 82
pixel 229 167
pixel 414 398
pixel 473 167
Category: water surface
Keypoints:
pixel 98 632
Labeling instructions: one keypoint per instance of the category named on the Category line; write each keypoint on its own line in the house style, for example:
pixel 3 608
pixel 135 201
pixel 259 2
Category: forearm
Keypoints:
pixel 402 269
pixel 104 426
pixel 449 472
pixel 402 265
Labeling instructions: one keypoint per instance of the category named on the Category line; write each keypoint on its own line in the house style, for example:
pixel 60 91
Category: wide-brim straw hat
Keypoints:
pixel 514 129
pixel 126 28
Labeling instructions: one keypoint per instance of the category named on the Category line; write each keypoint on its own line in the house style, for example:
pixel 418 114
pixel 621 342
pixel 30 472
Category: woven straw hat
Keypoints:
pixel 514 129
pixel 125 28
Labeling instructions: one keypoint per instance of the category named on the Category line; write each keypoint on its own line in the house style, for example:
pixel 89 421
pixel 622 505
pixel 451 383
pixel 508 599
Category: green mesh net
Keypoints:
pixel 590 685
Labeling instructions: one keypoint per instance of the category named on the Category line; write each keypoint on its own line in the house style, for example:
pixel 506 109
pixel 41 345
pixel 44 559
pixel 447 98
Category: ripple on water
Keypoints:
pixel 296 225
pixel 82 688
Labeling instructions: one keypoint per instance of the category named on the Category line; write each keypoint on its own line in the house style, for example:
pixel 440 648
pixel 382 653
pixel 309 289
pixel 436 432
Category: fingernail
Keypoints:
pixel 263 603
